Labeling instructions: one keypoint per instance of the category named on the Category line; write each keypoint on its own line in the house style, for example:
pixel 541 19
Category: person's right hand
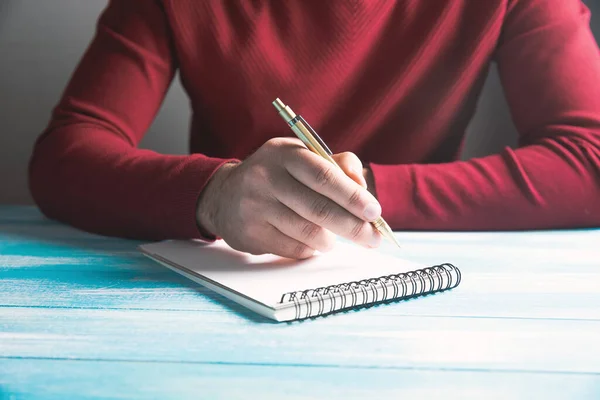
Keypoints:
pixel 288 201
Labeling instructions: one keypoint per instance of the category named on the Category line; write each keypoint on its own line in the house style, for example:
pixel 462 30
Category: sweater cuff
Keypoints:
pixel 394 190
pixel 188 185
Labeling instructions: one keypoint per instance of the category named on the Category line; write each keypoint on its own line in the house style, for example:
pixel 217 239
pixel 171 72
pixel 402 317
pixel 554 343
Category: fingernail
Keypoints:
pixel 372 211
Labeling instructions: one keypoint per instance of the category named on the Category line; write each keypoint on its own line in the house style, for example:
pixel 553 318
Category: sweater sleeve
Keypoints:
pixel 86 169
pixel 549 65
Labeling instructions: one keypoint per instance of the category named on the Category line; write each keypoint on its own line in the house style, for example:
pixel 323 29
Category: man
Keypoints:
pixel 390 85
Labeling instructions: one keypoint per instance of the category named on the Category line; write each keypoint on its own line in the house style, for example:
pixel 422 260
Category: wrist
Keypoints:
pixel 209 201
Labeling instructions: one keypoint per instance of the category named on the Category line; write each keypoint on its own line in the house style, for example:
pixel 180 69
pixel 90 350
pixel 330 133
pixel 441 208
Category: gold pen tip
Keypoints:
pixel 279 105
pixel 386 231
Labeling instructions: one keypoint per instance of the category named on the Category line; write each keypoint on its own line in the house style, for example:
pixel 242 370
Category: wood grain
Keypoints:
pixel 66 379
pixel 88 315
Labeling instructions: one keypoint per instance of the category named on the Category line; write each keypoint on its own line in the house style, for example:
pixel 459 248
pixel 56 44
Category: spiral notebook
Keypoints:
pixel 282 289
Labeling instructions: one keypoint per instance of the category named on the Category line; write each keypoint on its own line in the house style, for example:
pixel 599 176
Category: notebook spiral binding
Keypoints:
pixel 327 299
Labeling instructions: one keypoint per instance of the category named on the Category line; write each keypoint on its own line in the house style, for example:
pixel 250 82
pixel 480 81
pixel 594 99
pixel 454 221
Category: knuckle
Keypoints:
pixel 301 251
pixel 274 142
pixel 310 231
pixel 358 230
pixel 325 177
pixel 355 198
pixel 279 142
pixel 322 210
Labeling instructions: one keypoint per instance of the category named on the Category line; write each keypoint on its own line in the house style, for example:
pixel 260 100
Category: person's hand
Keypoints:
pixel 352 167
pixel 286 200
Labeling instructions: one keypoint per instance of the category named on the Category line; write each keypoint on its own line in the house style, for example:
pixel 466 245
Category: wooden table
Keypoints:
pixel 88 316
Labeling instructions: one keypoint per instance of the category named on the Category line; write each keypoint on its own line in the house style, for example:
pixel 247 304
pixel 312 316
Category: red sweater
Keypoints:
pixel 395 82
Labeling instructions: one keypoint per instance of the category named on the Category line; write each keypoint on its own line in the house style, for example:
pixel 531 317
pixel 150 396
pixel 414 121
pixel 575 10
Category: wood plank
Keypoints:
pixel 130 380
pixel 363 339
pixel 480 295
pixel 60 379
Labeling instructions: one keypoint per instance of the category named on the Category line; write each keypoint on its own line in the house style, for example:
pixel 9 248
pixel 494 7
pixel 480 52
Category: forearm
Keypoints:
pixel 95 181
pixel 553 184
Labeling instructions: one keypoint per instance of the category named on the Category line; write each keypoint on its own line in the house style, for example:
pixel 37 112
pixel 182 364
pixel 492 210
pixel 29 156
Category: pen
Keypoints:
pixel 312 140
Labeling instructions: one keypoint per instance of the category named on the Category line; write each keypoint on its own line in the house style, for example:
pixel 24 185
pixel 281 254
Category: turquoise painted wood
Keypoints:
pixel 85 316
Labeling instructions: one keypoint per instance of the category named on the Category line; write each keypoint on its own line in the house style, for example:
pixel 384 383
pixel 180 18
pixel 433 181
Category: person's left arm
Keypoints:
pixel 549 64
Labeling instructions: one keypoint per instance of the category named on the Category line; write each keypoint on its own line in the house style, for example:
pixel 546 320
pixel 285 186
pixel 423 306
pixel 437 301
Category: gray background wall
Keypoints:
pixel 40 44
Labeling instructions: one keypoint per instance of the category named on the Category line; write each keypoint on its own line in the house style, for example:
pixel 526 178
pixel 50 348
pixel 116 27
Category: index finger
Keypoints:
pixel 329 180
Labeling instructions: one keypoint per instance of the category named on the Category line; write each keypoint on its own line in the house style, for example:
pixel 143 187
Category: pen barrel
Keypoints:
pixel 385 230
pixel 303 134
pixel 297 125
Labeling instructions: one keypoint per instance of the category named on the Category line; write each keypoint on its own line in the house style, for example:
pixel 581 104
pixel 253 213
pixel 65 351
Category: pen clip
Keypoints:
pixel 315 135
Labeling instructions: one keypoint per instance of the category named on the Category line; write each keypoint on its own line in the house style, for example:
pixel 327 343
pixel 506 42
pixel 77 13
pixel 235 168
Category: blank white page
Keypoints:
pixel 266 278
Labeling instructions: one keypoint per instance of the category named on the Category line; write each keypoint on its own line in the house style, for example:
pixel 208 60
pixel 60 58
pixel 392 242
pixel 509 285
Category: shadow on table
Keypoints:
pixel 42 250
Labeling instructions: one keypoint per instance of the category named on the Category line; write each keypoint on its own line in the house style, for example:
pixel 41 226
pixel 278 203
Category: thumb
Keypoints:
pixel 351 166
